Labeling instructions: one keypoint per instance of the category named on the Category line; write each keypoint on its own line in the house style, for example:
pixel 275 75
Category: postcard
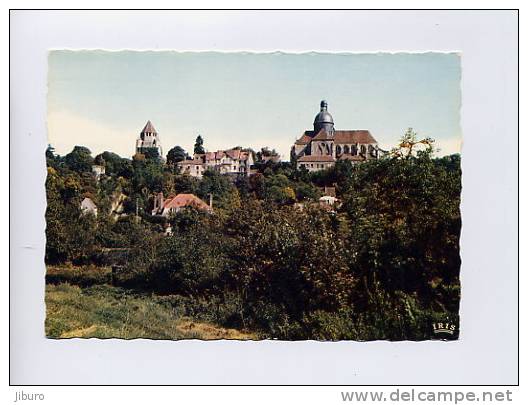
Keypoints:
pixel 252 196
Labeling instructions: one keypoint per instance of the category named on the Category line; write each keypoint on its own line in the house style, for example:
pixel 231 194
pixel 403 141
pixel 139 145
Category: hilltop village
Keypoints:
pixel 316 149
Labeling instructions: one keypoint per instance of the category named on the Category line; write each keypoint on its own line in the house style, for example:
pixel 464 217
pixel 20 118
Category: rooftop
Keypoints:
pixel 312 158
pixel 185 200
pixel 149 128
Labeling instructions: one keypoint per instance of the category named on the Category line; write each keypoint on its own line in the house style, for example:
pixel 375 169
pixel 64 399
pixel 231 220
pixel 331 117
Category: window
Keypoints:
pixel 346 150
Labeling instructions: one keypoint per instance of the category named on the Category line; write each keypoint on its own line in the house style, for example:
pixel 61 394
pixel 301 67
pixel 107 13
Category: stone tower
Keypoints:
pixel 149 139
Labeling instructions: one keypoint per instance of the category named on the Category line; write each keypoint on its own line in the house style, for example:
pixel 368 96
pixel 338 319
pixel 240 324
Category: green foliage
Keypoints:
pixel 189 263
pixel 406 217
pixel 409 146
pixel 266 153
pixel 185 184
pixel 50 152
pixel 289 257
pixel 52 160
pixel 175 155
pixel 148 177
pixel 307 191
pixel 225 194
pixel 243 186
pixel 270 168
pixel 198 145
pixel 150 153
pixel 69 233
pixel 278 189
pixel 339 174
pixel 384 264
pixel 115 165
pixel 79 159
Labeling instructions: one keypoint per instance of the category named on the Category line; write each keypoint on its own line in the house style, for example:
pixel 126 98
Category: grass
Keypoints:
pixel 81 302
pixel 104 311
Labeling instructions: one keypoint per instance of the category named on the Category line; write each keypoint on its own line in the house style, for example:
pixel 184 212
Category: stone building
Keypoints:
pixel 88 206
pixel 98 170
pixel 319 148
pixel 232 161
pixel 148 139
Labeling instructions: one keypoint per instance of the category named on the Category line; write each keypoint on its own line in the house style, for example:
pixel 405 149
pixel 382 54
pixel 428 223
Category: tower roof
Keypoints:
pixel 149 128
pixel 324 117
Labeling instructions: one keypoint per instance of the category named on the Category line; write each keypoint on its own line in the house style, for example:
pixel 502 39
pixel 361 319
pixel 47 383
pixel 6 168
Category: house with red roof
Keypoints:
pixel 321 147
pixel 171 205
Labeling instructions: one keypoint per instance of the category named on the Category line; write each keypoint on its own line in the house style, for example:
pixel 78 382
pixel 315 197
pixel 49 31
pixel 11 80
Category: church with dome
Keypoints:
pixel 319 148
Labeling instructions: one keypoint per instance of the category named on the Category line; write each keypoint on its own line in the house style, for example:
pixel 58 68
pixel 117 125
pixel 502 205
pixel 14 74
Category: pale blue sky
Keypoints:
pixel 103 99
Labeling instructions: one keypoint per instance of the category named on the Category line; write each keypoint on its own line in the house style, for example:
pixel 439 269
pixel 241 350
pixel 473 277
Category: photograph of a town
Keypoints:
pixel 250 196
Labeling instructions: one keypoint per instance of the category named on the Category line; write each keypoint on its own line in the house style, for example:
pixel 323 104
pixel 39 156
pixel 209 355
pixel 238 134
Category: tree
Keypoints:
pixel 190 261
pixel 287 263
pixel 198 146
pixel 99 160
pixel 175 155
pixel 79 159
pixel 52 160
pixel 115 164
pixel 243 185
pixel 225 194
pixel 69 234
pixel 406 219
pixel 151 153
pixel 50 152
pixel 278 189
pixel 410 146
pixel 337 174
pixel 266 154
pixel 256 185
pixel 185 183
pixel 307 191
